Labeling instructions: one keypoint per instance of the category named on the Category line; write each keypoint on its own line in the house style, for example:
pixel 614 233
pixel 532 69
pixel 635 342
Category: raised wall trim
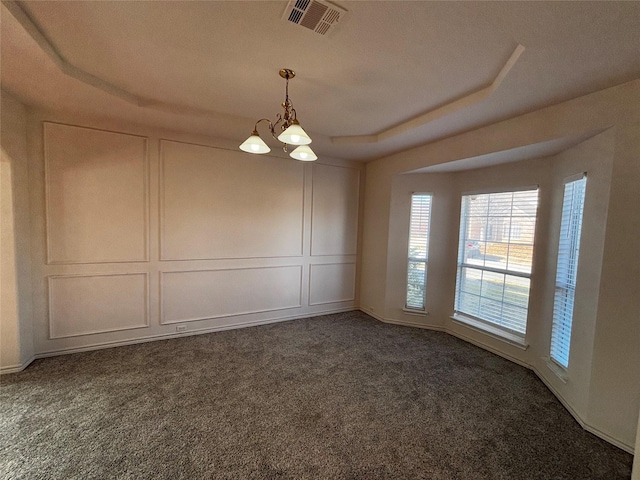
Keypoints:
pixel 162 240
pixel 352 295
pixel 51 302
pixel 50 260
pixel 163 275
pixel 346 227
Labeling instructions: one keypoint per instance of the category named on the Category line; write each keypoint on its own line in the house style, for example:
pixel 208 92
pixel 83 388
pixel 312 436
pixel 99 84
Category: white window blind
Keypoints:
pixel 567 269
pixel 418 250
pixel 494 259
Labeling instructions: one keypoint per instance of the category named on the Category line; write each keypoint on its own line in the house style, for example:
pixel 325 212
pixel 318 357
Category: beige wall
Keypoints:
pixel 16 345
pixel 140 233
pixel 441 249
pixel 602 389
pixel 132 225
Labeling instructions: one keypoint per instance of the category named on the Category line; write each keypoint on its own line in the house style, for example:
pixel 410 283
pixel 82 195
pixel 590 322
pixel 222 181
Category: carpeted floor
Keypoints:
pixel 340 396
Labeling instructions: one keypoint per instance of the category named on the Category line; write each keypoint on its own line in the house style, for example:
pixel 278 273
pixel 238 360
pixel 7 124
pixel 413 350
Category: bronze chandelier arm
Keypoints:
pixel 272 129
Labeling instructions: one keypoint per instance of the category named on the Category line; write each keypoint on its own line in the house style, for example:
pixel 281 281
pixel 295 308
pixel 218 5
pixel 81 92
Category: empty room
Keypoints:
pixel 312 240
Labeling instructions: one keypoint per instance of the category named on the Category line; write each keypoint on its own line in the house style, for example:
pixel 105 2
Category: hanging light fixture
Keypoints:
pixel 291 133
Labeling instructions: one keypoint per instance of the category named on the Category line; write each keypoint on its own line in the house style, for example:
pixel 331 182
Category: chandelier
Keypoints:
pixel 291 133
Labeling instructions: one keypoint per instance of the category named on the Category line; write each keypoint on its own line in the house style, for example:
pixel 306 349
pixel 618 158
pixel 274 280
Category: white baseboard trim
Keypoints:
pixel 585 425
pixel 404 323
pixel 17 367
pixel 487 347
pixel 599 433
pixel 98 346
pixel 167 336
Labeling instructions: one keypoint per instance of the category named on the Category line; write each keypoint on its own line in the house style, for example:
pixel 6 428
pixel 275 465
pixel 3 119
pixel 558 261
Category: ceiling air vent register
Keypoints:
pixel 321 17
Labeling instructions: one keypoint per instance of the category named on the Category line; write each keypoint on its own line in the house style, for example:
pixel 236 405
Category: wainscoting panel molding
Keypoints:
pixel 332 283
pixel 334 217
pixel 221 204
pixel 89 304
pixel 140 233
pixel 205 294
pixel 96 195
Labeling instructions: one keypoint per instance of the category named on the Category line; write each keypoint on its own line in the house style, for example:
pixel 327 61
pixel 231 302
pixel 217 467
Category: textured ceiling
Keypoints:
pixel 212 67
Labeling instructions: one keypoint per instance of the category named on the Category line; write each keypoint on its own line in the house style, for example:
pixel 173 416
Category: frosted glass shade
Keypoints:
pixel 254 144
pixel 304 153
pixel 294 135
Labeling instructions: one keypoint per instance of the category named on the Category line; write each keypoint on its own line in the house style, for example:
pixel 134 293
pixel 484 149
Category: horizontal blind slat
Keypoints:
pixel 567 270
pixel 420 218
pixel 494 257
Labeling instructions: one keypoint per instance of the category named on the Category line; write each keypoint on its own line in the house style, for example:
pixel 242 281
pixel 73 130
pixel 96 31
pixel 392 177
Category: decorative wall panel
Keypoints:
pixel 199 295
pixel 218 204
pixel 96 185
pixel 334 210
pixel 331 283
pixel 86 304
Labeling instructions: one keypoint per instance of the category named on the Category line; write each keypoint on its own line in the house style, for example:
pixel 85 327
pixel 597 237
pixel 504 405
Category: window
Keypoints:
pixel 567 269
pixel 418 250
pixel 494 261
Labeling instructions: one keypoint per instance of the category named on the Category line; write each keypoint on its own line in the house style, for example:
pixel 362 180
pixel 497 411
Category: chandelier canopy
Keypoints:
pixel 286 129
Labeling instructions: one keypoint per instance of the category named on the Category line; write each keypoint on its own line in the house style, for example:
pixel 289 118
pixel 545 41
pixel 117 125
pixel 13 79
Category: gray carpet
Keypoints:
pixel 340 396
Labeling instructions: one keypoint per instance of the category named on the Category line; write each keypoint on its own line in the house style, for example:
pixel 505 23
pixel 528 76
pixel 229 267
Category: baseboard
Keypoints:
pixel 98 346
pixel 189 333
pixel 487 347
pixel 599 433
pixel 585 425
pixel 4 370
pixel 404 323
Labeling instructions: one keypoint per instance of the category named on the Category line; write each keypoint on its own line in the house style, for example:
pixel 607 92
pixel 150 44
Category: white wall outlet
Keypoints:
pixel 181 328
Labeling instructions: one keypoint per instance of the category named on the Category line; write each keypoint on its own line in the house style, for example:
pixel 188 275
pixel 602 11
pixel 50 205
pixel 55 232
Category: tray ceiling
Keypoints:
pixel 212 67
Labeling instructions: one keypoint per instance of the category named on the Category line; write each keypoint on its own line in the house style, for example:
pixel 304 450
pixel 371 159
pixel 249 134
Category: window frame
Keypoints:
pixel 569 282
pixel 487 326
pixel 412 259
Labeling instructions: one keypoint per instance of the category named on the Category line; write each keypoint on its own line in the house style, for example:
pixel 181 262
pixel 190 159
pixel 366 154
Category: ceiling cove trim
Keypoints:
pixel 429 116
pixel 18 10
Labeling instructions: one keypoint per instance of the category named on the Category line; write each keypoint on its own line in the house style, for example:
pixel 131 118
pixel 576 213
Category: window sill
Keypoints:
pixel 418 313
pixel 497 333
pixel 559 371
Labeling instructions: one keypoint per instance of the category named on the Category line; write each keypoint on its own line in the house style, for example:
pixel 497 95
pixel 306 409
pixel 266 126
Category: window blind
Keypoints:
pixel 495 256
pixel 418 250
pixel 567 269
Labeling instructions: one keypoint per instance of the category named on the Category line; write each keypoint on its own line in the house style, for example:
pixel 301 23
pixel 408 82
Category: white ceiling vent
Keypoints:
pixel 321 17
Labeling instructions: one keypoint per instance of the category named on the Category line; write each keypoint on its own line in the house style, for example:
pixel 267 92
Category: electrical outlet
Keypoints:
pixel 181 328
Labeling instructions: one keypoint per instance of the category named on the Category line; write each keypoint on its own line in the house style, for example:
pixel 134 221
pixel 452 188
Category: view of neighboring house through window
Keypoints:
pixel 418 250
pixel 494 261
pixel 567 269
